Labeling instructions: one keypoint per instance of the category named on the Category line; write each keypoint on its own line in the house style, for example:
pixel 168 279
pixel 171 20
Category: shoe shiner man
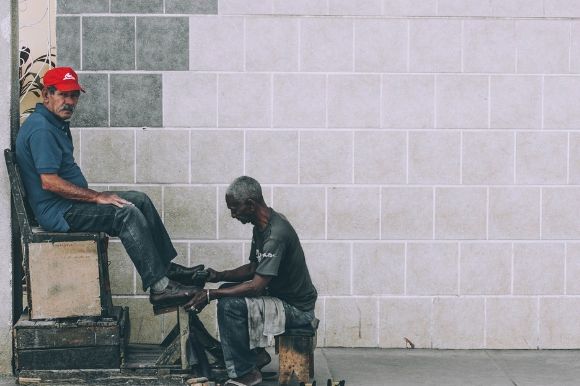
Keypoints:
pixel 263 297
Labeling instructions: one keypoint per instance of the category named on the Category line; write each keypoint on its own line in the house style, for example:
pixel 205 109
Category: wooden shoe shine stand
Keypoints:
pixel 70 332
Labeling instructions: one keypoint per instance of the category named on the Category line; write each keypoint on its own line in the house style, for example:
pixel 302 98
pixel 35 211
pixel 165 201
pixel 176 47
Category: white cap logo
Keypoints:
pixel 68 76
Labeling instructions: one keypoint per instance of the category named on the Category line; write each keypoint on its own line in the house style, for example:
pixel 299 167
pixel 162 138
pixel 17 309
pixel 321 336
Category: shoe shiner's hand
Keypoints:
pixel 212 275
pixel 197 302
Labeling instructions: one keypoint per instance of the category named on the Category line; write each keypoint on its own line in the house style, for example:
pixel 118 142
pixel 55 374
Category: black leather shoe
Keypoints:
pixel 173 296
pixel 184 275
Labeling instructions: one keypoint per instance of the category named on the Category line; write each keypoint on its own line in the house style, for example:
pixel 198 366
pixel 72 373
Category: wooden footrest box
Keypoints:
pixel 72 343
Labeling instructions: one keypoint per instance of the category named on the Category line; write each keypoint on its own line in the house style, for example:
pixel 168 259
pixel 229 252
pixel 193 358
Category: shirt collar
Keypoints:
pixel 53 119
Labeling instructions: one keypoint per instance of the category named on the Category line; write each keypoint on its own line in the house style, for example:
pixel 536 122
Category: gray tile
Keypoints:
pixel 108 155
pixel 136 100
pixel 108 43
pixel 162 43
pixel 137 6
pixel 207 7
pixel 82 6
pixel 68 41
pixel 93 107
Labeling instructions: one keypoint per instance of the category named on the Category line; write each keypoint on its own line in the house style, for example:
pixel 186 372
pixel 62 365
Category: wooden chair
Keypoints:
pixel 66 273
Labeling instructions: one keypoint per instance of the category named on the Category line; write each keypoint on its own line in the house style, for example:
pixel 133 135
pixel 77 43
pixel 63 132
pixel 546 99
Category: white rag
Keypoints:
pixel 266 319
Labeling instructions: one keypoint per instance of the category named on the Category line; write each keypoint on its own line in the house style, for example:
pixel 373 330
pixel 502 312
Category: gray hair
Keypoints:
pixel 244 188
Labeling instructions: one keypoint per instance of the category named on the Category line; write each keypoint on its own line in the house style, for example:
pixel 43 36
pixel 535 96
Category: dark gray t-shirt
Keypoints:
pixel 278 252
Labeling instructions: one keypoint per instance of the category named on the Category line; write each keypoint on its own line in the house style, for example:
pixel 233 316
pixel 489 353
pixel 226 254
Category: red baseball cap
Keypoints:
pixel 63 78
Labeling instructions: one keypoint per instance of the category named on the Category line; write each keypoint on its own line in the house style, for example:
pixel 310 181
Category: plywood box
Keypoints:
pixel 64 279
pixel 74 343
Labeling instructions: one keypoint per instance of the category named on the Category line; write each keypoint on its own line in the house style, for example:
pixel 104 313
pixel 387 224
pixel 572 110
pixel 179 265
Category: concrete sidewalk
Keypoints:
pixel 380 367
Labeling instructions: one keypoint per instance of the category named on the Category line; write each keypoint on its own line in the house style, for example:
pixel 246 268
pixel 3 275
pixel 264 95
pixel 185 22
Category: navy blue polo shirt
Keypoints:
pixel 43 146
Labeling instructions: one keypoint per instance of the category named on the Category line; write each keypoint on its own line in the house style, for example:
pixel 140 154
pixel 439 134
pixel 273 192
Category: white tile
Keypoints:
pixel 516 102
pixel 514 213
pixel 539 269
pixel 560 218
pixel 458 323
pixel 488 158
pixel 244 7
pixel 463 8
pixel 517 8
pixel 408 101
pixel 326 44
pixel 244 100
pixel 572 268
pixel 434 157
pixel 355 7
pixel 435 45
pixel 561 8
pixel 300 7
pixel 354 101
pixel 575 48
pixel 325 157
pixel 216 156
pixel 460 213
pixel 216 43
pixel 189 99
pixel 541 158
pixel 320 256
pixel 380 45
pixel 351 322
pixel 432 269
pixel 299 100
pixel 353 213
pixel 305 208
pixel 272 44
pixel 410 7
pixel 559 327
pixel 543 46
pixel 511 323
pixel 574 158
pixel 560 111
pixel 402 318
pixel 489 46
pixel 407 213
pixel 272 156
pixel 380 157
pixel 162 156
pixel 380 268
pixel 485 268
pixel 462 101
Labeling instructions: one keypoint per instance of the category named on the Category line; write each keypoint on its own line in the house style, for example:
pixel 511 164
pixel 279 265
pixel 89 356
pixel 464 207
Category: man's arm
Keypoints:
pixel 252 288
pixel 57 185
pixel 237 275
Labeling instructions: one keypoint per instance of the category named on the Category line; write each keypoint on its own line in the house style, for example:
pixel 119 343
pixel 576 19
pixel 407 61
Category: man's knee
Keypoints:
pixel 136 197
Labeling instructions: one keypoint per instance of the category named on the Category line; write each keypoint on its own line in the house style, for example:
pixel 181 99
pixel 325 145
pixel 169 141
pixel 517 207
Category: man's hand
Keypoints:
pixel 213 276
pixel 197 302
pixel 108 198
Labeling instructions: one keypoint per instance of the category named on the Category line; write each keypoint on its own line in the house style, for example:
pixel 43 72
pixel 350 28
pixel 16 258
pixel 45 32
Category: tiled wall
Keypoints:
pixel 426 151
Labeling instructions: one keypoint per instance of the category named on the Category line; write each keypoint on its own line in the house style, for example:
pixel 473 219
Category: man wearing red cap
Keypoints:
pixel 61 200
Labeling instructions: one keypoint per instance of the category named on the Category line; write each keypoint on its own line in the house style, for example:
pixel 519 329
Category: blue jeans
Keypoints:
pixel 232 314
pixel 139 227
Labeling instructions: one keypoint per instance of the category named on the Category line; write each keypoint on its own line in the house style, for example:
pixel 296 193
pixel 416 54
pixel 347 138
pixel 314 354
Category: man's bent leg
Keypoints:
pixel 130 225
pixel 161 238
pixel 296 317
pixel 232 315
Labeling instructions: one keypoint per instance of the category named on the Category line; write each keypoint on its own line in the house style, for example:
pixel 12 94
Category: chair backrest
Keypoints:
pixel 26 218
